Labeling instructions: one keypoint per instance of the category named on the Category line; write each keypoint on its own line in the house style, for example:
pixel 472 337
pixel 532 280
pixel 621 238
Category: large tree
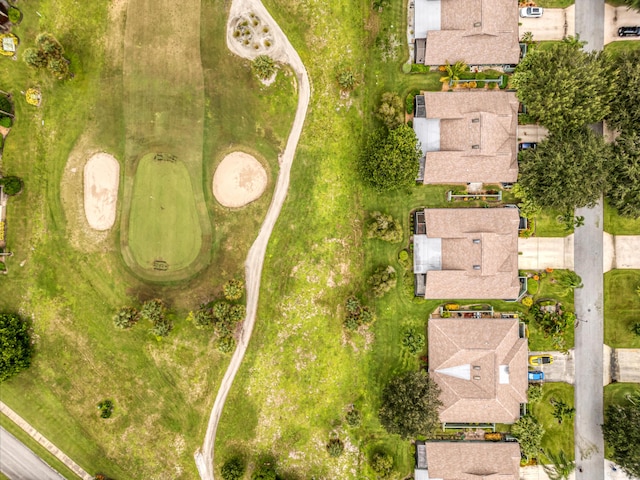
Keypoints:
pixel 391 159
pixel 622 433
pixel 15 345
pixel 529 433
pixel 569 169
pixel 625 114
pixel 565 87
pixel 410 405
pixel 624 185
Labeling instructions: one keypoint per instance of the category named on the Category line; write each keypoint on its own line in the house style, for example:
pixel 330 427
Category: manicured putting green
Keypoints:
pixel 163 225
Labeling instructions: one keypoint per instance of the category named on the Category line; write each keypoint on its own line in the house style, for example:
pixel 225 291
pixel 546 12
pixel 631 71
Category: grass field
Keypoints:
pixel 615 48
pixel 616 224
pixel 163 224
pixel 557 437
pixel 71 282
pixel 621 308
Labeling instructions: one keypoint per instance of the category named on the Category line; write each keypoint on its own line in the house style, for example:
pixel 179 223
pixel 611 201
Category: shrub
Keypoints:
pixel 153 311
pixel 534 393
pixel 382 464
pixel 532 286
pixel 353 418
pixel 383 280
pixel 226 344
pixel 635 328
pixel 403 258
pixel 384 227
pixel 409 101
pixel 413 341
pixel 126 317
pixel 233 469
pixel 221 310
pixel 263 66
pixel 106 408
pixel 335 447
pixel 419 68
pixel 162 328
pixel 237 313
pixel 529 433
pixel 15 345
pixel 233 289
pixel 5 122
pixel 203 317
pixel 5 104
pixel 11 185
pixel 390 110
pixel 527 301
pixel 357 314
pixel 265 471
pixel 14 15
pixel 347 79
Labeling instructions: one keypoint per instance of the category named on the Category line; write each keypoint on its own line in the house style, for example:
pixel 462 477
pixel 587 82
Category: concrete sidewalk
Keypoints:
pixel 538 473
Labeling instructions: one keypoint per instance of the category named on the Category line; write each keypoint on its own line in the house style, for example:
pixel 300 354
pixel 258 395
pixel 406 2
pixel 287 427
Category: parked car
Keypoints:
pixel 531 12
pixel 526 145
pixel 536 360
pixel 629 32
pixel 536 376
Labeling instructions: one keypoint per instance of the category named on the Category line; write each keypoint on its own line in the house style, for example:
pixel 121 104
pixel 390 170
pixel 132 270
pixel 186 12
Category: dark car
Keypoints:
pixel 527 145
pixel 629 32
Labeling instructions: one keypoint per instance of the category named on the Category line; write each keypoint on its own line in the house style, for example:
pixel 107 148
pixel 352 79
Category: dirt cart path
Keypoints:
pixel 284 52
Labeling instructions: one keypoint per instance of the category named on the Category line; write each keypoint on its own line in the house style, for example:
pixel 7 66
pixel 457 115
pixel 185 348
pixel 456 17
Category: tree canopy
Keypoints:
pixel 529 433
pixel 625 114
pixel 568 169
pixel 410 405
pixel 624 185
pixel 15 345
pixel 622 433
pixel 391 159
pixel 564 87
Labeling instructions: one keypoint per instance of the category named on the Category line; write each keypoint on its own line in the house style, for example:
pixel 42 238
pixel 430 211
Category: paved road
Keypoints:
pixel 18 462
pixel 589 339
pixel 590 23
pixel 537 473
pixel 255 259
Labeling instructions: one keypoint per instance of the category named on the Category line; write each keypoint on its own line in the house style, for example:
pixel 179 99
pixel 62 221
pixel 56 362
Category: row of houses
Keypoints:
pixel 470 137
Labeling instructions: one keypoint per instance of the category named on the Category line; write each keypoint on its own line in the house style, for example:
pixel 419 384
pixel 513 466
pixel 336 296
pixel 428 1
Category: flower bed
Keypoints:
pixel 33 96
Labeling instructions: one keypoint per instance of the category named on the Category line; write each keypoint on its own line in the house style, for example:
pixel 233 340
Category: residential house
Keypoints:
pixel 466 460
pixel 481 368
pixel 467 136
pixel 467 253
pixel 480 32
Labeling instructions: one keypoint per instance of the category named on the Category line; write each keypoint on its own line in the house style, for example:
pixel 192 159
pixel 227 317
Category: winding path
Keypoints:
pixel 284 53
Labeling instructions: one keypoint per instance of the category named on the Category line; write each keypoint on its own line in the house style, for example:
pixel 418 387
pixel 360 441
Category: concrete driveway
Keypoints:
pixel 555 24
pixel 625 251
pixel 562 368
pixel 615 17
pixel 537 253
pixel 627 365
pixel 532 133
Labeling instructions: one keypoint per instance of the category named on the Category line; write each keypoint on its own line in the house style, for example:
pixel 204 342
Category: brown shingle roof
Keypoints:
pixel 473 461
pixel 481 367
pixel 496 253
pixel 478 141
pixel 483 32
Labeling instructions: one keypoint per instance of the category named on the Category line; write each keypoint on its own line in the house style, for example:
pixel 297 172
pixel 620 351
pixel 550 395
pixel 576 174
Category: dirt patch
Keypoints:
pixel 101 179
pixel 239 179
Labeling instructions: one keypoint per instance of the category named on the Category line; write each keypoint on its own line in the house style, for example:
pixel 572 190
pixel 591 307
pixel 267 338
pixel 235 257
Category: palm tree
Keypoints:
pixel 527 37
pixel 453 72
pixel 570 281
pixel 560 468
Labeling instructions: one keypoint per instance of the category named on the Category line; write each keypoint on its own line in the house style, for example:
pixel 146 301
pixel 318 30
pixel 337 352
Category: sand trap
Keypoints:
pixel 239 179
pixel 101 178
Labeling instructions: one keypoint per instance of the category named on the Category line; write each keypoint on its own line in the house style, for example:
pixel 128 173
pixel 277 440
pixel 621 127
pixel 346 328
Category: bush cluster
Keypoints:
pixel 383 280
pixel 106 408
pixel 15 345
pixel 357 314
pixel 335 447
pixel 11 185
pixel 48 54
pixel 413 341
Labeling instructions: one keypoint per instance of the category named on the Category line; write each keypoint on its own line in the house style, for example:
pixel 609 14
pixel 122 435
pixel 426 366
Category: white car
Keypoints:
pixel 531 12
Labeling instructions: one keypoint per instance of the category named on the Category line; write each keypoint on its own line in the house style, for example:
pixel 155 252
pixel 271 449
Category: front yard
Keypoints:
pixel 621 308
pixel 558 436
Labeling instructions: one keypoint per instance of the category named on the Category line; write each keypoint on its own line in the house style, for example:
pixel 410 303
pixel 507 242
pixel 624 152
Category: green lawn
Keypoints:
pixel 621 308
pixel 615 48
pixel 547 225
pixel 555 3
pixel 616 224
pixel 163 224
pixel 557 437
pixel 71 281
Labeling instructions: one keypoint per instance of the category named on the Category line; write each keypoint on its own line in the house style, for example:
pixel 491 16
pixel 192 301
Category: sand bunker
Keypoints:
pixel 239 179
pixel 101 178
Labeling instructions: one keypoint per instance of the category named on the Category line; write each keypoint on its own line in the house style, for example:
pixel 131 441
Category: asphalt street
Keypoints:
pixel 589 338
pixel 590 23
pixel 18 462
